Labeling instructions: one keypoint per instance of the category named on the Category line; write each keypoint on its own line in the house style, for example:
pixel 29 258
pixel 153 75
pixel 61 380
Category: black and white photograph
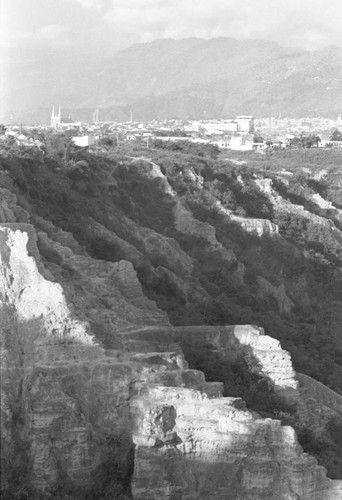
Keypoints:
pixel 171 249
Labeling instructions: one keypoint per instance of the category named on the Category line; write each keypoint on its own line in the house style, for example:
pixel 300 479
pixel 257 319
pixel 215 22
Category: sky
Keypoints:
pixel 104 26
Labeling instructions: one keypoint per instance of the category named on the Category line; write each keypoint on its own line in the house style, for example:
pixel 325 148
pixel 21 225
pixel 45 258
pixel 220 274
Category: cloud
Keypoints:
pixel 51 31
pixel 115 24
pixel 51 34
pixel 290 22
pixel 87 3
pixel 98 5
pixel 55 34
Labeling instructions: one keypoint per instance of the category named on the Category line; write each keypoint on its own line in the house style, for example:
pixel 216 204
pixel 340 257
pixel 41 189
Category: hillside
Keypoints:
pixel 135 263
pixel 190 78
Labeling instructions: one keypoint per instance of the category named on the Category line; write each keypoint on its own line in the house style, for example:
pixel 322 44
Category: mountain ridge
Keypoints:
pixel 215 78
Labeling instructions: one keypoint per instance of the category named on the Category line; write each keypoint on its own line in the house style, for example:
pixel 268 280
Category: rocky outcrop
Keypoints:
pixel 183 218
pixel 189 446
pixel 255 226
pixel 322 203
pixel 281 205
pixel 263 354
pixel 326 208
pixel 39 335
pixel 56 380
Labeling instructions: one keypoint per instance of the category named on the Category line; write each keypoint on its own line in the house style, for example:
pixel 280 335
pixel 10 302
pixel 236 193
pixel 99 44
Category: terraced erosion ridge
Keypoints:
pixel 75 414
pixel 122 375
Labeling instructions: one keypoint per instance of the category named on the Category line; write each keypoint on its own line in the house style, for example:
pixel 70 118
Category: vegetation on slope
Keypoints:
pixel 117 193
pixel 108 189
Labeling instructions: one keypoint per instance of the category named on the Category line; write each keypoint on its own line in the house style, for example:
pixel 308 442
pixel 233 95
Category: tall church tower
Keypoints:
pixel 56 118
pixel 52 121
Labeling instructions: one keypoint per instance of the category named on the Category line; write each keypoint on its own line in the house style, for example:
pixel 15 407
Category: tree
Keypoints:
pixel 305 141
pixel 108 141
pixel 311 140
pixel 336 135
pixel 57 146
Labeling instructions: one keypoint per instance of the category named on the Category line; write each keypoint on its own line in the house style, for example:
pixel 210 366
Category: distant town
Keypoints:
pixel 242 133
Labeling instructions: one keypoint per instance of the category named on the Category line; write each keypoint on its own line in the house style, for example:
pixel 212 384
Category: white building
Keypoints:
pixel 241 143
pixel 212 127
pixel 55 118
pixel 84 140
pixel 245 124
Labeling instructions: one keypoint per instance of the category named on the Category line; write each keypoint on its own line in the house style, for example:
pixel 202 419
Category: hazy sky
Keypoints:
pixel 116 24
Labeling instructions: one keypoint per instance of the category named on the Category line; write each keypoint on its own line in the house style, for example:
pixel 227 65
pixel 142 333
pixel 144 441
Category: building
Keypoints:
pixel 245 124
pixel 57 121
pixel 96 116
pixel 331 144
pixel 56 118
pixel 241 143
pixel 214 127
pixel 84 141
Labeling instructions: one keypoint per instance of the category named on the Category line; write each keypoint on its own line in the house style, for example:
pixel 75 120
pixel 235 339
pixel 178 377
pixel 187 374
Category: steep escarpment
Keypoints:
pixel 75 411
pixel 117 282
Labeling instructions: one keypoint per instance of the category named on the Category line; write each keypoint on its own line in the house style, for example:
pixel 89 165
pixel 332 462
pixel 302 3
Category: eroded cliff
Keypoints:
pixel 102 396
pixel 77 416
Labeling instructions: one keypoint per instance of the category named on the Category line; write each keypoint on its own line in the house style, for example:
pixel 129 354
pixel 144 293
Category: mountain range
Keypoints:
pixel 186 79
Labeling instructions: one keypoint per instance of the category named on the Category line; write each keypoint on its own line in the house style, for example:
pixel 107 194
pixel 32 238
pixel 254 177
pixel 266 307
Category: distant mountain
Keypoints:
pixel 190 78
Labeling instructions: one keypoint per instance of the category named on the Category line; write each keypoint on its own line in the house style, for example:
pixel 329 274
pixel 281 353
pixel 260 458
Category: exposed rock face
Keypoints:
pixel 189 446
pixel 44 334
pixel 63 385
pixel 70 404
pixel 282 205
pixel 256 226
pixel 327 208
pixel 263 354
pixel 322 203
